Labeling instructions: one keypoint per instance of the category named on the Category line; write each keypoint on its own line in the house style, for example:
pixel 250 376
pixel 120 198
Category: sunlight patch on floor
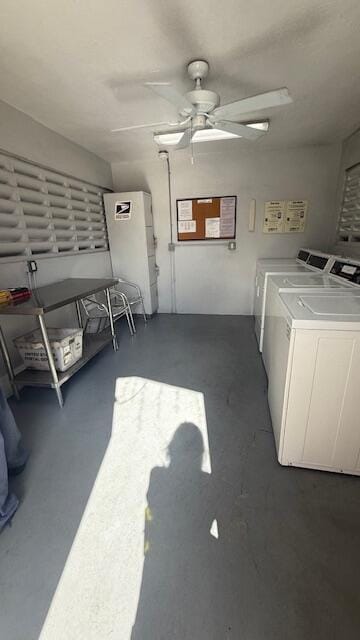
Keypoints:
pixel 97 595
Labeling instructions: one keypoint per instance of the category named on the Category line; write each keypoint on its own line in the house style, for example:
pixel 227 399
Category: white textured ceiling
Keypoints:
pixel 78 66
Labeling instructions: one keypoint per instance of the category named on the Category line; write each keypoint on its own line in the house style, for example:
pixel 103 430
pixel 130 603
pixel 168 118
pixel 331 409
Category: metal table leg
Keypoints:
pixel 132 320
pixel 51 360
pixel 78 313
pixel 9 369
pixel 111 320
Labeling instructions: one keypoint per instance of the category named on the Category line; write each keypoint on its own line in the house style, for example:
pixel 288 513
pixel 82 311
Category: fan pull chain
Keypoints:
pixel 192 144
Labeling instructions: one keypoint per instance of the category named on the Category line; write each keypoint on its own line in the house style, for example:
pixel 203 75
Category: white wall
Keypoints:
pixel 350 155
pixel 21 135
pixel 210 278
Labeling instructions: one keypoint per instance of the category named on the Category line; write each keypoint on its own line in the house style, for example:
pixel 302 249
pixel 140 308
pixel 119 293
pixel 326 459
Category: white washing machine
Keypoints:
pixel 277 284
pixel 266 267
pixel 301 259
pixel 314 385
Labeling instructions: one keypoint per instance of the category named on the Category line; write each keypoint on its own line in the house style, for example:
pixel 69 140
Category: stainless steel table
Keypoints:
pixel 44 300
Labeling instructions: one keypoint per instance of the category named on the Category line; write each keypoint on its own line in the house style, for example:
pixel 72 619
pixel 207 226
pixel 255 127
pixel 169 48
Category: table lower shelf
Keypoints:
pixel 92 345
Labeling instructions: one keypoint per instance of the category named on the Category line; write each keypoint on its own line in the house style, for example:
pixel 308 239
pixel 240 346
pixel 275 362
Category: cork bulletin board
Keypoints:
pixel 212 218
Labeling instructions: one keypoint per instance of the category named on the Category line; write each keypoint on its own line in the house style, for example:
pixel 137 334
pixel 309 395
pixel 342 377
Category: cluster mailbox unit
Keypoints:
pixel 132 244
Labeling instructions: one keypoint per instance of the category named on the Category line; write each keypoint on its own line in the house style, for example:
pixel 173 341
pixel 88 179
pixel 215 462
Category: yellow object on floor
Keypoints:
pixel 5 296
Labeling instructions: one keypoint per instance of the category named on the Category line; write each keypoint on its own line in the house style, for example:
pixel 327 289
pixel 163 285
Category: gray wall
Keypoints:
pixel 350 155
pixel 21 135
pixel 210 278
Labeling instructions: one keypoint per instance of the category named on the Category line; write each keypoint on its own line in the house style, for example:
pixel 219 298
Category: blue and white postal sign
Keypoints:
pixel 123 210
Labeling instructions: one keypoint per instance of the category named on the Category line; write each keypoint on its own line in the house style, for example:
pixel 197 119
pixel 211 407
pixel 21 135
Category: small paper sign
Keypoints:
pixel 274 216
pixel 186 226
pixel 185 210
pixel 295 216
pixel 212 228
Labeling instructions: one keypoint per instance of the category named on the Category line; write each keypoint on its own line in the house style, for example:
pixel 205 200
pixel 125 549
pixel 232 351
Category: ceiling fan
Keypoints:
pixel 199 110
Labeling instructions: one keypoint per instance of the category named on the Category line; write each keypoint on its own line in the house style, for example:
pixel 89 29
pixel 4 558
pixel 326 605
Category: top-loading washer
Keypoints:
pixel 301 259
pixel 314 384
pixel 342 275
pixel 305 262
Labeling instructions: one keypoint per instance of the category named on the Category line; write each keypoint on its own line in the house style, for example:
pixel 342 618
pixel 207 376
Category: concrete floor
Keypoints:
pixel 286 560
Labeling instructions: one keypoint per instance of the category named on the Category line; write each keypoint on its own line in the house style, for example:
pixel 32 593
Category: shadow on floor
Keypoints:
pixel 180 585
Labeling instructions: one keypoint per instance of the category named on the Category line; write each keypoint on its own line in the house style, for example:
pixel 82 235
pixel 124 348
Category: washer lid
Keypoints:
pixel 307 281
pixel 283 268
pixel 337 309
pixel 263 263
pixel 332 305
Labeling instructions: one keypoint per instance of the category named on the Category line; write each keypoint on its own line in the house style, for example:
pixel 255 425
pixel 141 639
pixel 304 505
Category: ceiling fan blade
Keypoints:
pixel 267 100
pixel 185 139
pixel 139 126
pixel 167 91
pixel 239 129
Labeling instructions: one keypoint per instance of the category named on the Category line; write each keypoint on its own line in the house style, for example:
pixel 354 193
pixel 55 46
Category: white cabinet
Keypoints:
pixel 131 242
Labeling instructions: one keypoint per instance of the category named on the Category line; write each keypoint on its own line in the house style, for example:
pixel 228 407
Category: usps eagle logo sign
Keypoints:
pixel 123 210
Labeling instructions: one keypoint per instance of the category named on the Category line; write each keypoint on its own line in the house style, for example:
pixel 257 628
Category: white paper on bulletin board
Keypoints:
pixel 295 216
pixel 227 216
pixel 212 227
pixel 274 216
pixel 186 226
pixel 185 210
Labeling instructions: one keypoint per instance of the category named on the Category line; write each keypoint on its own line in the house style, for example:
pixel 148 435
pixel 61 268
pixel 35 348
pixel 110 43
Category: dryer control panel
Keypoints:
pixel 302 255
pixel 320 262
pixel 345 270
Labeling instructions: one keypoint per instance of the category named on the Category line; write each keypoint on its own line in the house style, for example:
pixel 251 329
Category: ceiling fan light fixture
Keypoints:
pixel 206 135
pixel 171 138
pixel 261 126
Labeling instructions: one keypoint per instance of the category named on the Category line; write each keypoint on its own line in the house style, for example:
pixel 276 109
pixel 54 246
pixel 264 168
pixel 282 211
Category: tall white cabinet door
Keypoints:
pixel 150 241
pixel 148 215
pixel 131 242
pixel 152 270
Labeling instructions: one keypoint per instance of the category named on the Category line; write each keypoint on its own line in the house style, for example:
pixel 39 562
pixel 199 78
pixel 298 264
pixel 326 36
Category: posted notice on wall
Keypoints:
pixel 227 217
pixel 123 210
pixel 274 216
pixel 186 226
pixel 285 216
pixel 295 216
pixel 212 227
pixel 184 210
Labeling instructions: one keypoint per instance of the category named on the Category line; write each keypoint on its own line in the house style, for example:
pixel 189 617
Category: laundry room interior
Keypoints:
pixel 179 320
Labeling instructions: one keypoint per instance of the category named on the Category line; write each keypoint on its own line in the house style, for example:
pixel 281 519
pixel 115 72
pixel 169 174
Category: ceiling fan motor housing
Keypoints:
pixel 204 101
pixel 198 122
